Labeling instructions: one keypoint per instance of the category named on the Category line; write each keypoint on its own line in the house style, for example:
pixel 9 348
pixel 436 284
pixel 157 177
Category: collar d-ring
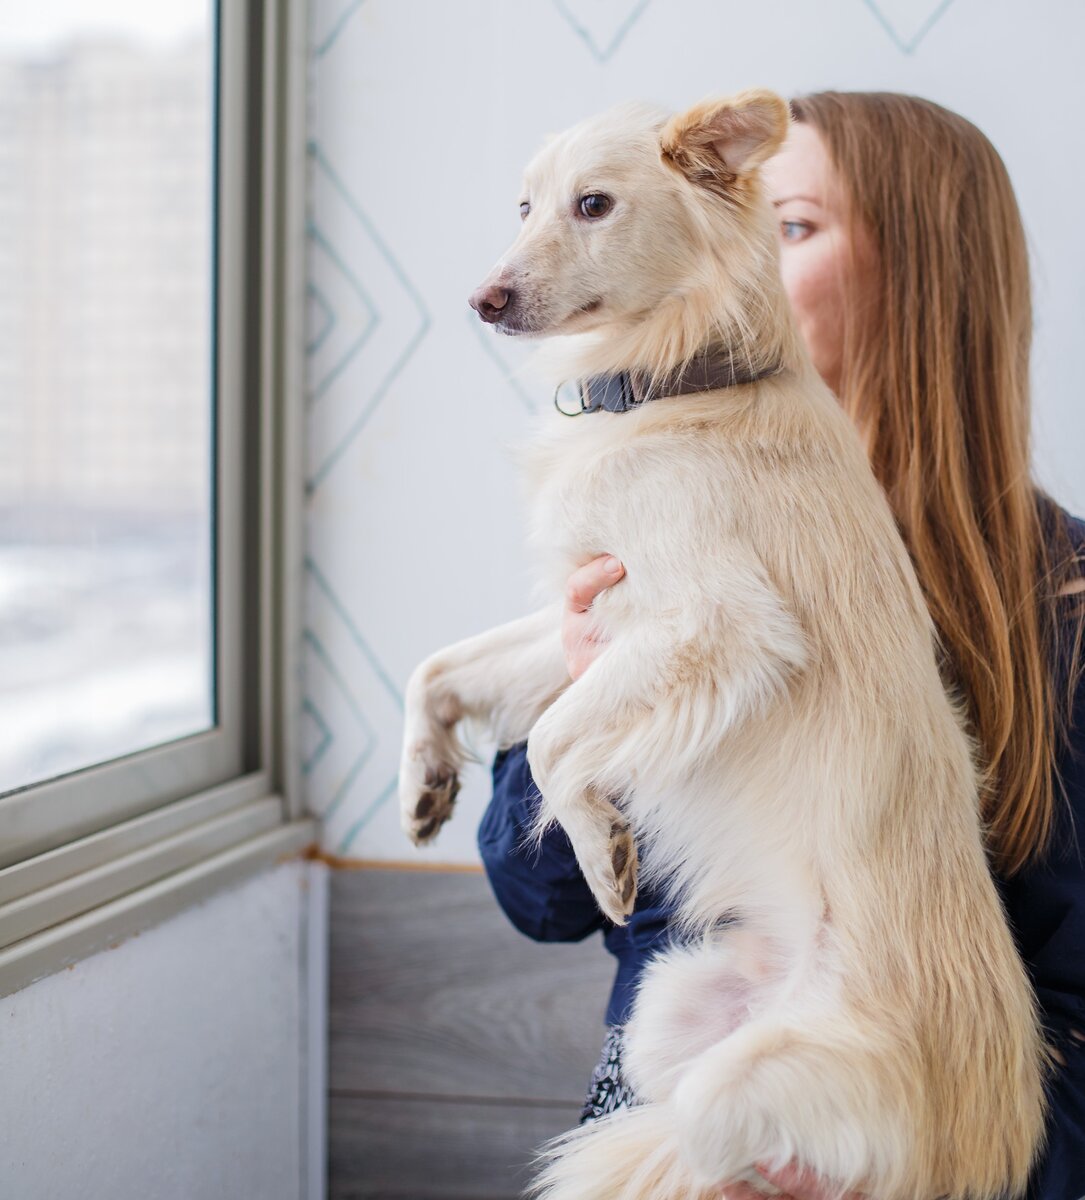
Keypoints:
pixel 564 411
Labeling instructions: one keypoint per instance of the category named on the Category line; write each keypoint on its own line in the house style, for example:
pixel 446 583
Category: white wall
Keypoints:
pixel 172 1067
pixel 424 112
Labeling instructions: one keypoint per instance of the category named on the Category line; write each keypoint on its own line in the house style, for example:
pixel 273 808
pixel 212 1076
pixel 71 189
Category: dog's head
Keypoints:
pixel 619 212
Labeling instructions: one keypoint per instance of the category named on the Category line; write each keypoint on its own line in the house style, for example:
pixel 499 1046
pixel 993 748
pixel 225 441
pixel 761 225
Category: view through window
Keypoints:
pixel 106 380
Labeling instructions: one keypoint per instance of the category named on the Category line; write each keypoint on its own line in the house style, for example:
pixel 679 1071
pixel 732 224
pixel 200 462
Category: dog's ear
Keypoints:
pixel 719 141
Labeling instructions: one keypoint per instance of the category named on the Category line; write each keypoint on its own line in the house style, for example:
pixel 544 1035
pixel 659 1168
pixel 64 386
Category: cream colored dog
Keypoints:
pixel 767 723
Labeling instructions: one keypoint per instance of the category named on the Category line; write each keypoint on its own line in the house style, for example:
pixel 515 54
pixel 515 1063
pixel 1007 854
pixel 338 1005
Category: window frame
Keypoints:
pixel 102 852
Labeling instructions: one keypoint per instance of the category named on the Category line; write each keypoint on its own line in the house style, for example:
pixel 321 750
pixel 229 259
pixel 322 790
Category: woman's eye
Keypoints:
pixel 795 231
pixel 525 208
pixel 595 204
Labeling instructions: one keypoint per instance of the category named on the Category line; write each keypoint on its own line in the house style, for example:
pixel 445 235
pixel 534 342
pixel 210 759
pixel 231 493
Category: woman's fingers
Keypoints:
pixel 799 1183
pixel 578 640
pixel 745 1191
pixel 588 581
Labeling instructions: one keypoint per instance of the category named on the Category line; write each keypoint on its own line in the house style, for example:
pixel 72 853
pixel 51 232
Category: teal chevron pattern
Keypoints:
pixel 330 22
pixel 365 319
pixel 347 310
pixel 601 25
pixel 907 21
pixel 316 734
pixel 352 369
pixel 319 319
pixel 345 761
pixel 488 340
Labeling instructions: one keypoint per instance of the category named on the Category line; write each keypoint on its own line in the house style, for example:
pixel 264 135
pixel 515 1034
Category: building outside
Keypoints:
pixel 105 400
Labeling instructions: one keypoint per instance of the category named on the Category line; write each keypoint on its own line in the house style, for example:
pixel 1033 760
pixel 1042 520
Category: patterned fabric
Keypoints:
pixel 608 1090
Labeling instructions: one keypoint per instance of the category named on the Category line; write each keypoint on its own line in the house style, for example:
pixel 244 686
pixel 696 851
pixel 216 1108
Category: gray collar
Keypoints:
pixel 708 371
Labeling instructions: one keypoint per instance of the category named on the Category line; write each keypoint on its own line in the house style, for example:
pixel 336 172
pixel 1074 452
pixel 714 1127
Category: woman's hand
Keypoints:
pixel 580 645
pixel 794 1182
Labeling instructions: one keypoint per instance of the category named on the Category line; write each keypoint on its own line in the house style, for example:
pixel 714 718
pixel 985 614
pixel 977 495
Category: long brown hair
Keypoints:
pixel 936 376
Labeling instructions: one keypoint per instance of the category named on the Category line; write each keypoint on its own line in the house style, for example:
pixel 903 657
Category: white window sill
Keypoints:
pixel 138 903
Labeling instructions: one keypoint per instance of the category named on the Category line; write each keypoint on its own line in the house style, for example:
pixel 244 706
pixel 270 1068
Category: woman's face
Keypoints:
pixel 817 260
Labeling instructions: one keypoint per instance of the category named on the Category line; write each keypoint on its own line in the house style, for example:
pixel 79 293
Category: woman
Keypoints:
pixel 905 263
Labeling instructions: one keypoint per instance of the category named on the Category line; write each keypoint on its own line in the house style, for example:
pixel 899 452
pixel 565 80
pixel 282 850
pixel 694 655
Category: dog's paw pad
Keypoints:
pixel 623 864
pixel 433 806
pixel 614 879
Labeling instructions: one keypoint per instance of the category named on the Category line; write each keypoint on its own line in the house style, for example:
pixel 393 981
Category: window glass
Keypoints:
pixel 106 380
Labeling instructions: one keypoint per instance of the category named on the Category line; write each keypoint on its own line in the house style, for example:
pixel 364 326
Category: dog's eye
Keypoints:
pixel 595 204
pixel 525 208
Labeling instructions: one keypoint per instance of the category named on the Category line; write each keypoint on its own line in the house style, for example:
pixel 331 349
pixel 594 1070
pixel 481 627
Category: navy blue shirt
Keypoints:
pixel 545 896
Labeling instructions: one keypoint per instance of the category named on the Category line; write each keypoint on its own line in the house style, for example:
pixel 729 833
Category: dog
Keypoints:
pixel 766 732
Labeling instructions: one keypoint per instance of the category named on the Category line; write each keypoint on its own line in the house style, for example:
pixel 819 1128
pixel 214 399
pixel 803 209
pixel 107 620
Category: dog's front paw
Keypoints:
pixel 611 872
pixel 427 795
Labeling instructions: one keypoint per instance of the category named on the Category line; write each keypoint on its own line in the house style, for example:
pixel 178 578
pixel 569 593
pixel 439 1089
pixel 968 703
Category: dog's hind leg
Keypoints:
pixel 689 998
pixel 842 1104
pixel 503 678
pixel 764 1094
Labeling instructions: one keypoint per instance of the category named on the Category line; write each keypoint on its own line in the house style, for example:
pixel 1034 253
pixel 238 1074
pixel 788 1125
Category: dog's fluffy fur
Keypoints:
pixel 767 724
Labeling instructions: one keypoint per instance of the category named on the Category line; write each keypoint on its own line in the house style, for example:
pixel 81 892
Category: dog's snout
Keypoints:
pixel 492 302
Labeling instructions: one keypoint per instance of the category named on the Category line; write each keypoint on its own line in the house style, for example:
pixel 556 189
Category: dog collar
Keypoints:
pixel 706 372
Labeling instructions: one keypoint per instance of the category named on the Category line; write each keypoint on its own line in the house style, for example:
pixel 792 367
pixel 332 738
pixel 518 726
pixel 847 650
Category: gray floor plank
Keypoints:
pixel 391 1148
pixel 433 992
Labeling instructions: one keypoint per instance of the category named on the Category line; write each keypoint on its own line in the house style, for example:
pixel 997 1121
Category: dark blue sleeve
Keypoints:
pixel 1051 908
pixel 538 885
pixel 1060 1170
pixel 1045 904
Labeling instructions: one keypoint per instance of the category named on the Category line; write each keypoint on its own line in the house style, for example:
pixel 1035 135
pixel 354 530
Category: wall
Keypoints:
pixel 423 114
pixel 174 1066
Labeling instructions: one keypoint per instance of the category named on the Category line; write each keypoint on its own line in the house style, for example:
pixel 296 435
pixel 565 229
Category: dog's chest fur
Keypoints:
pixel 596 481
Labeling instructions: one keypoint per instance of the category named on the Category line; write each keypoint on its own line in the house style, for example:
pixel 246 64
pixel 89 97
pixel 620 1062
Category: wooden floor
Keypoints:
pixel 456 1044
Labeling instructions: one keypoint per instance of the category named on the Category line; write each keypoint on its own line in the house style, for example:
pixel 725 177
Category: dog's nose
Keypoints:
pixel 490 302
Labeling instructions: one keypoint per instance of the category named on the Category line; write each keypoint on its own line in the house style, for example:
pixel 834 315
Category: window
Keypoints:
pixel 151 234
pixel 107 296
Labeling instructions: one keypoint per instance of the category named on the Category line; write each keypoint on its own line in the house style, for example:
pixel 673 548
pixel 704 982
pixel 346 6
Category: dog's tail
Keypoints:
pixel 629 1155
